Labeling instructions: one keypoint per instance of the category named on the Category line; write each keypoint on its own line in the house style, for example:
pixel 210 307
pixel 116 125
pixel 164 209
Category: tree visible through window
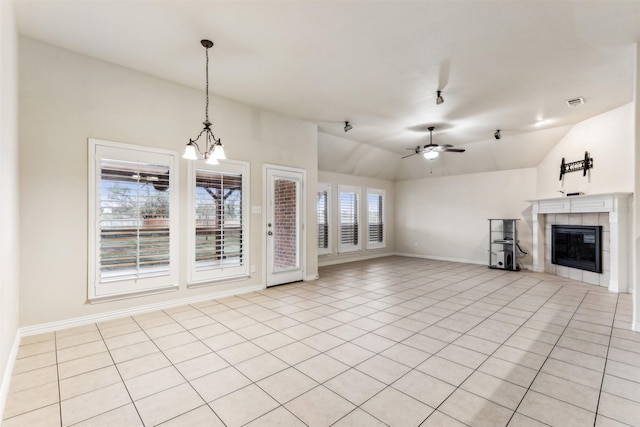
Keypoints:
pixel 132 219
pixel 218 220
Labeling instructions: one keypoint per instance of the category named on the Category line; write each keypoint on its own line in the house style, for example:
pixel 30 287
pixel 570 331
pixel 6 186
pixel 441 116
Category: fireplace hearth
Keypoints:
pixel 577 246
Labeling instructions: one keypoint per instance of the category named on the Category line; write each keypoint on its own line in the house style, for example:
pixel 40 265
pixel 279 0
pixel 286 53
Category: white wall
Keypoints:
pixel 66 98
pixel 344 156
pixel 446 217
pixel 336 179
pixel 609 139
pixel 9 213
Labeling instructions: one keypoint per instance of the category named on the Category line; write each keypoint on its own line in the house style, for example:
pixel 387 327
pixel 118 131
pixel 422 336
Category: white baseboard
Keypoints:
pixel 102 317
pixel 311 277
pixel 8 370
pixel 437 258
pixel 335 261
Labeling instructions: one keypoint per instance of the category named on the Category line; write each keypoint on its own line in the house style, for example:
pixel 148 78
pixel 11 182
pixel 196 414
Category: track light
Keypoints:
pixel 439 98
pixel 497 134
pixel 347 127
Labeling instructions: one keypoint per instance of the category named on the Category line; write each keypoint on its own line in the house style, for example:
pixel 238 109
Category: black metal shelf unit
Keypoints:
pixel 503 240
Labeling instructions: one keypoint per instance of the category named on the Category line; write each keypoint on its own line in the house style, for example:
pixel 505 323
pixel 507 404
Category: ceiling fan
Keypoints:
pixel 431 151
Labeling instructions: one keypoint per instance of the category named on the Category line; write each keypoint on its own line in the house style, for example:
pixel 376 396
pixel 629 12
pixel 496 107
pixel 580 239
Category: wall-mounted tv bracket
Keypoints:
pixel 580 165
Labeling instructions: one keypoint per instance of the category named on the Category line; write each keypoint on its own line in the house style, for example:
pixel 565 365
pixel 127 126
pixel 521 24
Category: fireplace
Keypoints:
pixel 577 246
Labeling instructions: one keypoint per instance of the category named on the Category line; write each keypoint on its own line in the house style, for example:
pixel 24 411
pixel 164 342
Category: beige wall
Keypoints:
pixel 336 179
pixel 446 218
pixel 66 98
pixel 609 139
pixel 9 213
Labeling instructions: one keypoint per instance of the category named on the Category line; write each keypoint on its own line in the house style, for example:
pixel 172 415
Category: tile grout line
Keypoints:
pixel 511 335
pixel 606 359
pixel 115 365
pixel 55 346
pixel 545 361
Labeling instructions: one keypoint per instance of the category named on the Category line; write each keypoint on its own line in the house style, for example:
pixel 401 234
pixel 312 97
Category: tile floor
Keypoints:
pixel 394 341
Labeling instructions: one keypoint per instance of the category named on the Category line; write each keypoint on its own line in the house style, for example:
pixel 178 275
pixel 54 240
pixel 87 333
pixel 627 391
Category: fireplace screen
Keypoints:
pixel 577 246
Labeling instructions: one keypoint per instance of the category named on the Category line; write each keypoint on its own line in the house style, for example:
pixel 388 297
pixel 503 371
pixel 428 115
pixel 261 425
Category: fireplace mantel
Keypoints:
pixel 616 204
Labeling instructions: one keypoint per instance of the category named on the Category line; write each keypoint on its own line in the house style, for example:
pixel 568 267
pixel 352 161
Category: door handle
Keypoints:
pixel 269 233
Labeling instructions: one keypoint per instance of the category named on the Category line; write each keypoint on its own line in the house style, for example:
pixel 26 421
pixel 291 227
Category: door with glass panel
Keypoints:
pixel 284 225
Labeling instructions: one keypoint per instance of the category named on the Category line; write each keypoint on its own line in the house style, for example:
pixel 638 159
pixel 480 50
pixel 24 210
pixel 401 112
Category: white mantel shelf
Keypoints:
pixel 618 205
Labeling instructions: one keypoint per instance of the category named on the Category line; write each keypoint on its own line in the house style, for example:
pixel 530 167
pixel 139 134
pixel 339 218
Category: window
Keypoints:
pixel 349 218
pixel 133 219
pixel 324 212
pixel 375 219
pixel 218 224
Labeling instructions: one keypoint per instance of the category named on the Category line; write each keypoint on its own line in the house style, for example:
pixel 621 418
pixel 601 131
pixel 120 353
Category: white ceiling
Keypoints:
pixel 500 64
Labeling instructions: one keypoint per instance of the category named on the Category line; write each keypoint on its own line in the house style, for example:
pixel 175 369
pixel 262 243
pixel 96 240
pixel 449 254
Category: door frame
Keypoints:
pixel 303 217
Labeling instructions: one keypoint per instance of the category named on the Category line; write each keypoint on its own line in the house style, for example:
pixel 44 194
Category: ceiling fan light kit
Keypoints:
pixel 213 149
pixel 432 151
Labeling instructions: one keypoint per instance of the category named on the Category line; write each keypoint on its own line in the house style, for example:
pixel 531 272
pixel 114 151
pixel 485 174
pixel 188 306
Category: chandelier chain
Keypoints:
pixel 206 112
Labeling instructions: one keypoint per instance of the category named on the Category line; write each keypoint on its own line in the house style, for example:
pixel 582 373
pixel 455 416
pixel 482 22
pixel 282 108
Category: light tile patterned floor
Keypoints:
pixel 394 341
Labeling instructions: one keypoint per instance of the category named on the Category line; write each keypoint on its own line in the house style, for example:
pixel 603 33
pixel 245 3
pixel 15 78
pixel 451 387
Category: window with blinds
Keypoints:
pixel 375 219
pixel 349 208
pixel 133 200
pixel 323 213
pixel 218 221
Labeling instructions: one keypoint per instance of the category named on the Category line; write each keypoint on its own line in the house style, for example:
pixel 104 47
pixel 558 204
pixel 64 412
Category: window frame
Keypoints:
pixel 349 189
pixel 382 195
pixel 212 276
pixel 327 189
pixel 99 290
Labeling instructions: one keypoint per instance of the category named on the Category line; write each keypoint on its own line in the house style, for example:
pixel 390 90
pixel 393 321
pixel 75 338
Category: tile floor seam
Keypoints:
pixel 476 369
pixel 120 374
pixel 604 369
pixel 541 366
pixel 55 343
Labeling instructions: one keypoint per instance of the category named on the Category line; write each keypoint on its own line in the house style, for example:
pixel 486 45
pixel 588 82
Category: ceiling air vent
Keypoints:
pixel 574 102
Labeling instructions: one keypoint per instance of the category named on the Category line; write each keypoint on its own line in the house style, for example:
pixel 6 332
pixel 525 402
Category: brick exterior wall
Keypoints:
pixel 285 225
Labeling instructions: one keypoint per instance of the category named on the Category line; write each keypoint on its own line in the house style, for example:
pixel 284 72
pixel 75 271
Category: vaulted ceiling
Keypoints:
pixel 500 65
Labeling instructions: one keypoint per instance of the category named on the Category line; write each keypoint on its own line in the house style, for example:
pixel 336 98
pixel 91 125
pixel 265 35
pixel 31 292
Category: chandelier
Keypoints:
pixel 213 148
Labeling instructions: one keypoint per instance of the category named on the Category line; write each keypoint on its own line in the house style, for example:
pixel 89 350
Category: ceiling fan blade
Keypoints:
pixel 455 150
pixel 446 146
pixel 409 155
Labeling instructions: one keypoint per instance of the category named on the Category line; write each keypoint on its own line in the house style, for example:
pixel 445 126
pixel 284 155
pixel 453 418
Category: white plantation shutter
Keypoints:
pixel 218 221
pixel 323 213
pixel 375 218
pixel 133 204
pixel 134 220
pixel 349 200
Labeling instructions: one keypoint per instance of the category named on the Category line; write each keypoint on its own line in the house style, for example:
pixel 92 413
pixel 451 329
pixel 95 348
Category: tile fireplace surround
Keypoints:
pixel 614 206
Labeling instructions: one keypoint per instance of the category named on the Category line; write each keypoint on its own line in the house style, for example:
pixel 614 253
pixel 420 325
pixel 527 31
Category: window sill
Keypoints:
pixel 109 298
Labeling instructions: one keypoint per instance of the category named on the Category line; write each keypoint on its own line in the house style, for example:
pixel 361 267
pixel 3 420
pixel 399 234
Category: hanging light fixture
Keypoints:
pixel 430 155
pixel 213 149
